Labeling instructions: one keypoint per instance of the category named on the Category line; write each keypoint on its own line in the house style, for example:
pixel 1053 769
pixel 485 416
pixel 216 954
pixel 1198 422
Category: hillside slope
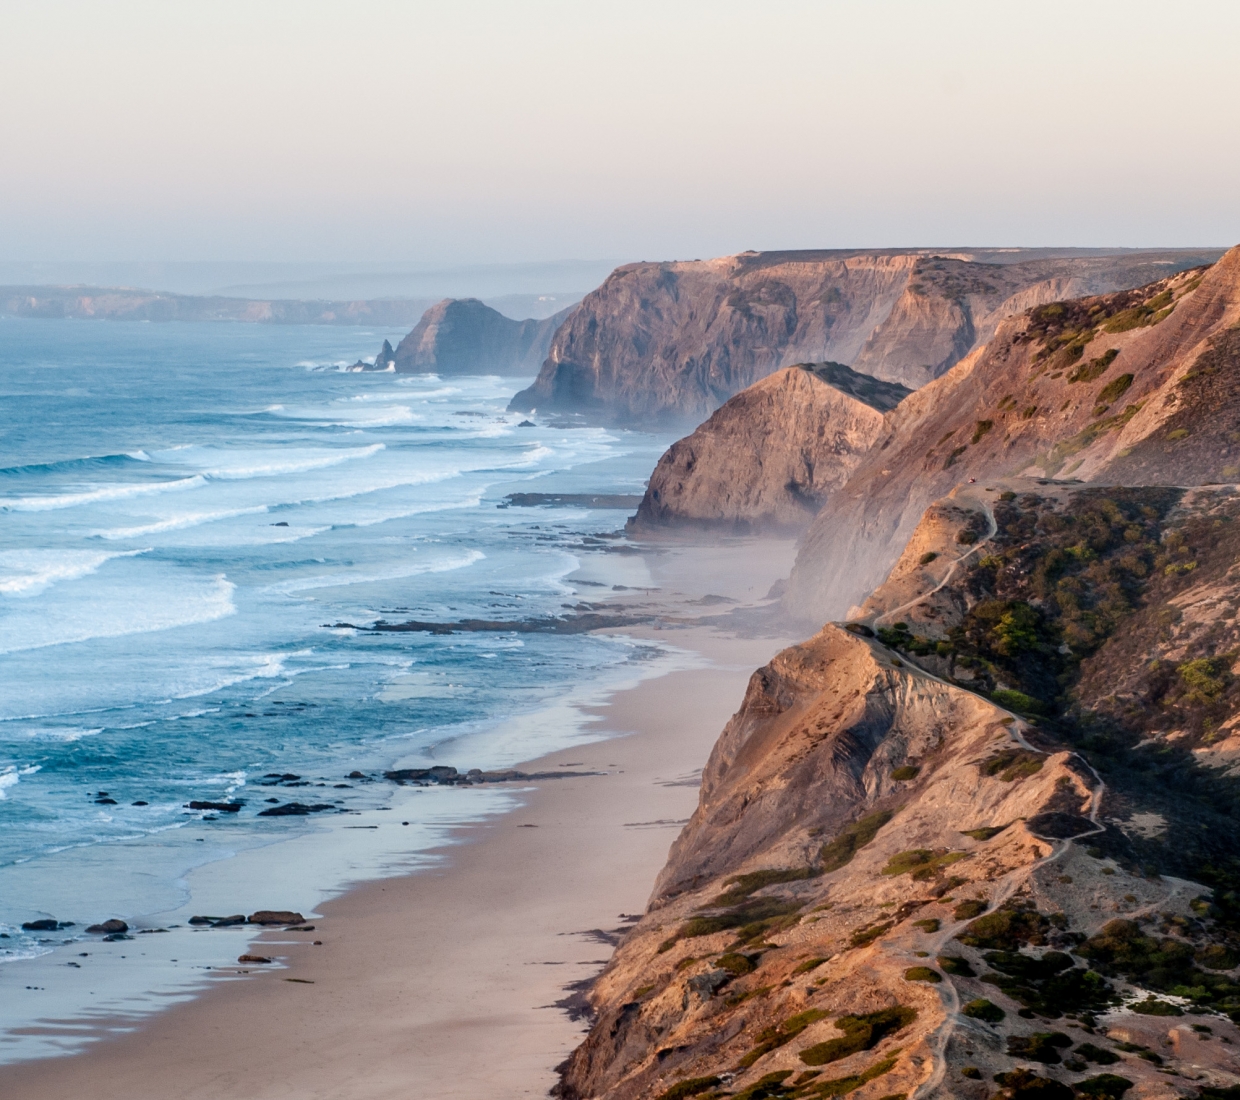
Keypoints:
pixel 895 885
pixel 466 336
pixel 768 457
pixel 668 343
pixel 1135 386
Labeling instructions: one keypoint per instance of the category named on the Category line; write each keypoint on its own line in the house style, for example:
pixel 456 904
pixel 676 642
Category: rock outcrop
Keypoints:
pixel 668 343
pixel 994 845
pixel 766 460
pixel 1138 386
pixel 466 336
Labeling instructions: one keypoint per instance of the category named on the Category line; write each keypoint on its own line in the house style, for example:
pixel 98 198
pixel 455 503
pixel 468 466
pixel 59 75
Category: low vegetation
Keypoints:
pixel 860 1033
pixel 851 839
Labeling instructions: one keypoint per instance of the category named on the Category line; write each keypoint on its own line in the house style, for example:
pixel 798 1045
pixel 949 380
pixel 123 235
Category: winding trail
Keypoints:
pixel 993 528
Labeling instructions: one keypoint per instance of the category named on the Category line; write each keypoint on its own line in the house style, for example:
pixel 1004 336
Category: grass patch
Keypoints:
pixel 1095 368
pixel 1012 764
pixel 905 773
pixel 841 1086
pixel 929 924
pixel 922 863
pixel 982 428
pixel 737 964
pixel 692 1086
pixel 967 910
pixel 860 1033
pixel 852 838
pixel 985 833
pixel 741 886
pixel 810 964
pixel 753 918
pixel 1007 929
pixel 863 936
pixel 922 974
pixel 775 1037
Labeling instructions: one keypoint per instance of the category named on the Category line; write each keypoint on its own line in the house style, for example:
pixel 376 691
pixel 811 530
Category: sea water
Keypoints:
pixel 197 522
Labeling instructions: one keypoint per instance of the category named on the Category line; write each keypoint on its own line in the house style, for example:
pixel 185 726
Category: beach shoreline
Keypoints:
pixel 445 982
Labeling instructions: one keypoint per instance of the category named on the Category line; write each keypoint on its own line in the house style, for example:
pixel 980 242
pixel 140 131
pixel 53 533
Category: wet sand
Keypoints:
pixel 443 984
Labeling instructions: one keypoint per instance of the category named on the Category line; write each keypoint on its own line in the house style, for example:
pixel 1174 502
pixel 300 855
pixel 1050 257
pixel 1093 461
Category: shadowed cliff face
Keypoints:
pixel 1136 386
pixel 767 459
pixel 466 336
pixel 668 343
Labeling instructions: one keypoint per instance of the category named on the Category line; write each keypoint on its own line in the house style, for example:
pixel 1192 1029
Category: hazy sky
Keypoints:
pixel 475 131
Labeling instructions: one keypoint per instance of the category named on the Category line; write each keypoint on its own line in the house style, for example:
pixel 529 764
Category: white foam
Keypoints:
pixel 338 580
pixel 11 776
pixel 26 573
pixel 102 494
pixel 175 523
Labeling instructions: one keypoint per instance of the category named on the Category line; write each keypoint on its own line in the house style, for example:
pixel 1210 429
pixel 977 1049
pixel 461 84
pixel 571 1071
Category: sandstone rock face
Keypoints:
pixel 767 459
pixel 466 336
pixel 668 343
pixel 1102 389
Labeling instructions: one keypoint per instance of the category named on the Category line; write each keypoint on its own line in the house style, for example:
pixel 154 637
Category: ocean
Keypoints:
pixel 195 519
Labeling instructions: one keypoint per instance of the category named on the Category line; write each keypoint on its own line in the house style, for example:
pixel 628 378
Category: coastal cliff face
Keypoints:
pixel 994 846
pixel 767 459
pixel 669 343
pixel 466 336
pixel 1135 387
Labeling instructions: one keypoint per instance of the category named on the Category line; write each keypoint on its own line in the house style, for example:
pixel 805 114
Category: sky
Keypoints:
pixel 470 131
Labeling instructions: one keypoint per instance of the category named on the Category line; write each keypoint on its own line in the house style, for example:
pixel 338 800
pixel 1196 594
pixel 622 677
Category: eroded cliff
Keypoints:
pixel 669 343
pixel 767 458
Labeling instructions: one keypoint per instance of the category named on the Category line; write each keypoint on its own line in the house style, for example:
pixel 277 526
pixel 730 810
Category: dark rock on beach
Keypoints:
pixel 296 809
pixel 223 807
pixel 108 928
pixel 253 959
pixel 276 916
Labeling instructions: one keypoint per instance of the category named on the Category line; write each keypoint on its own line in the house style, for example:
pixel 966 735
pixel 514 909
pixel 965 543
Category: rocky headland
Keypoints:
pixel 466 336
pixel 668 343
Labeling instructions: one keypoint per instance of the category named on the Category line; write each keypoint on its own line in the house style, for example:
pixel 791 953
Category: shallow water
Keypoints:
pixel 187 512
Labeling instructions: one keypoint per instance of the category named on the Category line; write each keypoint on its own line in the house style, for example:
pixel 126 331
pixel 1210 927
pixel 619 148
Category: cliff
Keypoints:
pixel 668 343
pixel 128 304
pixel 1136 386
pixel 768 457
pixel 995 846
pixel 465 336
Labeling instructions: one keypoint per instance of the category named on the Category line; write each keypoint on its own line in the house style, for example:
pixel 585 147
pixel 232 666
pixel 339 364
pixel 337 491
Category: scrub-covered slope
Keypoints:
pixel 987 845
pixel 1093 388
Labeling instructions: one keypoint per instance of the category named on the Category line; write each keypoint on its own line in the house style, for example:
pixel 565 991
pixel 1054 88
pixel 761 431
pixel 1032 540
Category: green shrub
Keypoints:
pixel 971 1072
pixel 1153 1006
pixel 1114 389
pixel 982 1009
pixel 841 1086
pixel 1007 494
pixel 985 833
pixel 771 1085
pixel 954 964
pixel 1041 1046
pixel 863 936
pixel 772 1038
pixel 1106 1086
pixel 1098 1055
pixel 922 863
pixel 736 964
pixel 1019 702
pixel 860 1033
pixel 1007 928
pixel 904 774
pixel 929 924
pixel 922 974
pixel 852 838
pixel 1095 368
pixel 1023 1084
pixel 810 964
pixel 744 885
pixel 927 557
pixel 967 910
pixel 983 426
pixel 690 1087
pixel 1013 763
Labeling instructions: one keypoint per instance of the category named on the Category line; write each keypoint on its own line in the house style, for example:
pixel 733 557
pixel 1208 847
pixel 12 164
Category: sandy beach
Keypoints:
pixel 443 984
